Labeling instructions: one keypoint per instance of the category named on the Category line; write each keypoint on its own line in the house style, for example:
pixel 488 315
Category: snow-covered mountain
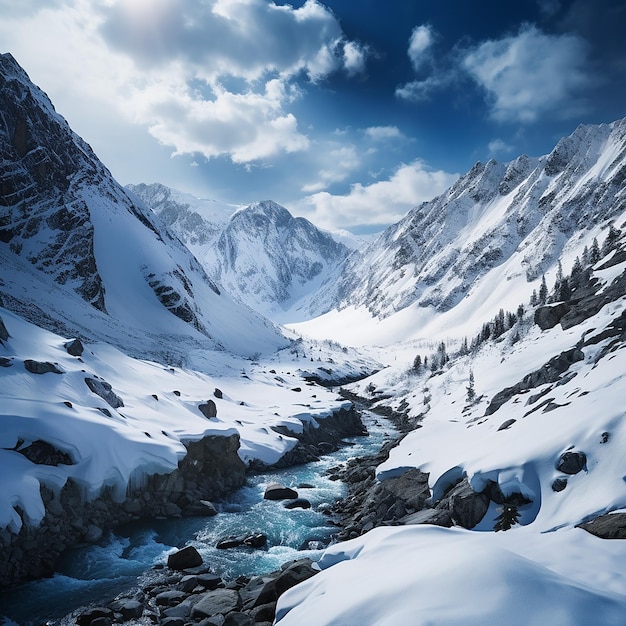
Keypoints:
pixel 195 221
pixel 260 253
pixel 63 213
pixel 490 238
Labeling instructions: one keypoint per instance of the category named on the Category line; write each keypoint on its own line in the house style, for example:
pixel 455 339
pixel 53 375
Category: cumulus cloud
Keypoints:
pixel 531 74
pixel 420 54
pixel 383 133
pixel 420 43
pixel 217 77
pixel 380 203
pixel 344 160
pixel 499 146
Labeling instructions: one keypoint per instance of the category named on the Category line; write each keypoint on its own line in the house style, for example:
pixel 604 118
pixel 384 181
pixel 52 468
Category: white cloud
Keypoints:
pixel 383 133
pixel 382 202
pixel 354 57
pixel 499 146
pixel 531 74
pixel 421 90
pixel 216 77
pixel 344 160
pixel 420 42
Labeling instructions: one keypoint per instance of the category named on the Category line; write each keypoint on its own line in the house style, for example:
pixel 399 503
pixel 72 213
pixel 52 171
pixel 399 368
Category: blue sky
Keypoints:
pixel 346 112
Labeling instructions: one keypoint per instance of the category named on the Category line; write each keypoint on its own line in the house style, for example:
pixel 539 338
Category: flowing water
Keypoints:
pixel 97 573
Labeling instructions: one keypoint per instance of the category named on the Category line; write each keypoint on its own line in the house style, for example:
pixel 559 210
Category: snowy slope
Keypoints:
pixel 110 441
pixel 509 436
pixel 488 239
pixel 64 214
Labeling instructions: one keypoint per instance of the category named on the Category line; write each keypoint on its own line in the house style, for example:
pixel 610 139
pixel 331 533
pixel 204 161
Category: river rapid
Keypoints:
pixel 97 573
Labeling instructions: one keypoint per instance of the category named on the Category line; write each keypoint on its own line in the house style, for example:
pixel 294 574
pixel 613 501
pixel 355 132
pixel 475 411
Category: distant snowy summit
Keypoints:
pixel 64 220
pixel 260 253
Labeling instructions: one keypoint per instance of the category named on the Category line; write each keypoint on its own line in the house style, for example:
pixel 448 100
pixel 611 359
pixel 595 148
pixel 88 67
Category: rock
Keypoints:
pixel 41 367
pixel 44 453
pixel 131 609
pixel 4 362
pixel 559 484
pixel 547 317
pixel 295 573
pixel 93 534
pixel 467 507
pixel 202 508
pixel 298 503
pixel 218 393
pixel 276 491
pixel 208 409
pixel 436 517
pixel 105 391
pixel 209 581
pixel 507 424
pixel 90 616
pixel 171 597
pixel 74 348
pixel 230 541
pixel 4 333
pixel 241 619
pixel 608 526
pixel 255 540
pixel 250 540
pixel 172 621
pixel 220 601
pixel 186 558
pixel 571 462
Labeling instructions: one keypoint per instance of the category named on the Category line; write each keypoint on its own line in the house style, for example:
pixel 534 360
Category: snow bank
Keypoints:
pixel 422 575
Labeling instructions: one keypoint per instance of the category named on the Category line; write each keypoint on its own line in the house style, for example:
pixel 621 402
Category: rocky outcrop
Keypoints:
pixel 210 469
pixel 550 372
pixel 325 436
pixel 172 597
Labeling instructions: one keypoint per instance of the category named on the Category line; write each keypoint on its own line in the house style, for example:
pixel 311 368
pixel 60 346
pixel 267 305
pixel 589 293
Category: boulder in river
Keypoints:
pixel 276 491
pixel 186 558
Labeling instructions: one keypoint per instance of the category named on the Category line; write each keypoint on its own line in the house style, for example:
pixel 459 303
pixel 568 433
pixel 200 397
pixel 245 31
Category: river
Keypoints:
pixel 99 572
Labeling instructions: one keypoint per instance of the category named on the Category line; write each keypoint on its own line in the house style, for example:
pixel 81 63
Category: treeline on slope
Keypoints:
pixel 577 283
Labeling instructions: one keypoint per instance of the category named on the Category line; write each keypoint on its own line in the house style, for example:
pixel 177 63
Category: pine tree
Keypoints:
pixel 507 518
pixel 520 311
pixel 543 291
pixel 610 241
pixel 471 392
pixel 417 363
pixel 534 298
pixel 594 253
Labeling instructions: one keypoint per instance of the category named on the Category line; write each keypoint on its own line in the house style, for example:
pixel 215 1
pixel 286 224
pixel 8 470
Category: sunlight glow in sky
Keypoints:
pixel 346 113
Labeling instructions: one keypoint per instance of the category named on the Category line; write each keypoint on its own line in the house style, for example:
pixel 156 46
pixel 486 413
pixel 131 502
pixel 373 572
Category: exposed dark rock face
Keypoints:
pixel 75 347
pixel 41 367
pixel 43 166
pixel 210 469
pixel 609 526
pixel 327 437
pixel 44 453
pixel 551 372
pixel 547 317
pixel 4 333
pixel 208 409
pixel 105 391
pixel 572 462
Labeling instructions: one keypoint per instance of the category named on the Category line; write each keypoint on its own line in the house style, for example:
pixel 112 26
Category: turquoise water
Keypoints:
pixel 98 573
